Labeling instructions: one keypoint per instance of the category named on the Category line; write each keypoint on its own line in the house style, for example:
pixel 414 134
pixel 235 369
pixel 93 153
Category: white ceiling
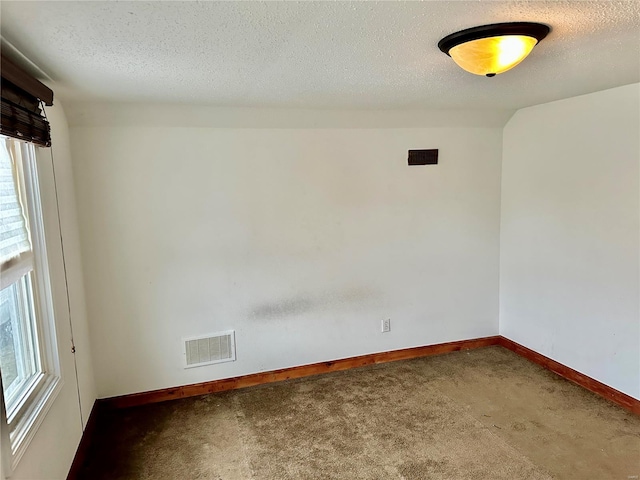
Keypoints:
pixel 317 54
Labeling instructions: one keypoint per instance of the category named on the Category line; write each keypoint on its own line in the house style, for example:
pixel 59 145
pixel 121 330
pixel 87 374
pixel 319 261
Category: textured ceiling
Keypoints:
pixel 318 54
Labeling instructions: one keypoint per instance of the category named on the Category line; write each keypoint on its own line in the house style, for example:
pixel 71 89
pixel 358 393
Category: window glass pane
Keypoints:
pixel 18 343
pixel 8 320
pixel 14 238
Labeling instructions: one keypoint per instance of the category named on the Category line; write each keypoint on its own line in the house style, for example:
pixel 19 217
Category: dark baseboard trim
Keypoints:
pixel 85 441
pixel 192 390
pixel 251 380
pixel 185 391
pixel 574 376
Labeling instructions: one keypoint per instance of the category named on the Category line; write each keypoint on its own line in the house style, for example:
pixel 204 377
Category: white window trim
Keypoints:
pixel 19 430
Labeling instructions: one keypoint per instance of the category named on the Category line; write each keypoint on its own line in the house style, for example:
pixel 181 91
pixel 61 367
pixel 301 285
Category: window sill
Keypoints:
pixel 28 424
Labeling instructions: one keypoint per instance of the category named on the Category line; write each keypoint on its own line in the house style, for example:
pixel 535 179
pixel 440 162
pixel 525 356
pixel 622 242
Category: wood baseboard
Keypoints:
pixel 166 394
pixel 85 441
pixel 251 380
pixel 192 390
pixel 574 376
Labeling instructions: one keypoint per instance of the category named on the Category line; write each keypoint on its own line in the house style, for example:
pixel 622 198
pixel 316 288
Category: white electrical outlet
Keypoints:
pixel 386 325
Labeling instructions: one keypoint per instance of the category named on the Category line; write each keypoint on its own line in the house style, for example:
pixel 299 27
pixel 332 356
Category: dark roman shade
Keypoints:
pixel 22 99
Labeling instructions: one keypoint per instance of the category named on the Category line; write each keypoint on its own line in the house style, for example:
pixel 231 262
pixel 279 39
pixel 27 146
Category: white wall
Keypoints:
pixel 302 240
pixel 60 154
pixel 51 452
pixel 569 278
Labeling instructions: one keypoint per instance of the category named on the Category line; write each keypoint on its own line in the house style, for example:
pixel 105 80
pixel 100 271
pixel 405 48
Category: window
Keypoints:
pixel 29 366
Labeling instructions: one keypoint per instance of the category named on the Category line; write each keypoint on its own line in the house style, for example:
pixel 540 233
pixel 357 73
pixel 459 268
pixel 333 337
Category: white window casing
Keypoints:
pixel 22 413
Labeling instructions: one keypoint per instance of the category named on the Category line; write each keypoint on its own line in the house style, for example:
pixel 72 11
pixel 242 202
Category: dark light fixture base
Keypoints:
pixel 535 30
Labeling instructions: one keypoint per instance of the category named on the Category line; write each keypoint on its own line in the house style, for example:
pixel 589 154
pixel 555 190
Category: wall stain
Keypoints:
pixel 290 306
pixel 303 304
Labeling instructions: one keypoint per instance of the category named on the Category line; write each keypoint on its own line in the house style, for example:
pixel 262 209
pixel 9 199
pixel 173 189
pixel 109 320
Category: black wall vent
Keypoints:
pixel 423 157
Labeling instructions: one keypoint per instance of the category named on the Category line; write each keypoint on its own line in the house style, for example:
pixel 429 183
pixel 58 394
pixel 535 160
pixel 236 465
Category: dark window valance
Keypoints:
pixel 22 98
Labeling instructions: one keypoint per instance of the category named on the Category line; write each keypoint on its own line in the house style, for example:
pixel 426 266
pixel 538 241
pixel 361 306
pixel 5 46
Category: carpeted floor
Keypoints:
pixel 482 414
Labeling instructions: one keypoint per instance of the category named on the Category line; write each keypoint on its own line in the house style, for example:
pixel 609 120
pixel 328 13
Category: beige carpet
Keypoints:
pixel 482 414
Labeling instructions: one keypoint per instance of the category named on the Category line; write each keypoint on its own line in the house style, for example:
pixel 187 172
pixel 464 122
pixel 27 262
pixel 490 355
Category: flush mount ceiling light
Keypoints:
pixel 492 49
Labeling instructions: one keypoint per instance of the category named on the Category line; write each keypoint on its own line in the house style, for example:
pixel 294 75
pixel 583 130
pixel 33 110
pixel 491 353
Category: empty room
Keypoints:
pixel 300 240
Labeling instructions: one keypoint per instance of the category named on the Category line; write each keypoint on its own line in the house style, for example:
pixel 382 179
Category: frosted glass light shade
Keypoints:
pixel 492 49
pixel 492 55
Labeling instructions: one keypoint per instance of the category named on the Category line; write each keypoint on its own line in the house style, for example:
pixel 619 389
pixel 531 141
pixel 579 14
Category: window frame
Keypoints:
pixel 30 350
pixel 21 424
